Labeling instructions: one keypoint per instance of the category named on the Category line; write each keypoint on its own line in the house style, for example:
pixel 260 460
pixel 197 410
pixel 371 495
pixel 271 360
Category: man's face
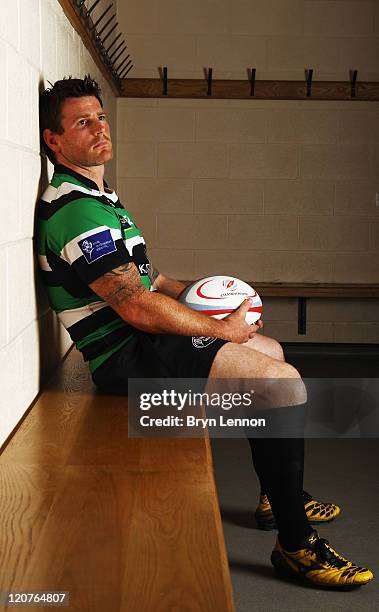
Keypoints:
pixel 86 140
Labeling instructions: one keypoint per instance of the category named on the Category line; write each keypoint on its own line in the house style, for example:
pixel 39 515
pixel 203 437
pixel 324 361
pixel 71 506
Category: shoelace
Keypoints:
pixel 326 553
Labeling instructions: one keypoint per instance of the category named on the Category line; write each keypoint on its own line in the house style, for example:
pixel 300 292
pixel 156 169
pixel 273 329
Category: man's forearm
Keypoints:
pixel 156 313
pixel 169 286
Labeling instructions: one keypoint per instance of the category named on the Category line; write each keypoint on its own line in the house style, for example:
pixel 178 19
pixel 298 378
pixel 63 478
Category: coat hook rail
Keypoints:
pixel 251 88
pixel 95 25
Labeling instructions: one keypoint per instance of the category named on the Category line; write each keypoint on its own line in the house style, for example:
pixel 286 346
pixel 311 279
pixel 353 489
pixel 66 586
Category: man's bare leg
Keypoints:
pixel 276 382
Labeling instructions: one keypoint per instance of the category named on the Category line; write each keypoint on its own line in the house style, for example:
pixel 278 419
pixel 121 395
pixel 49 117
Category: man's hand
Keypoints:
pixel 168 286
pixel 240 331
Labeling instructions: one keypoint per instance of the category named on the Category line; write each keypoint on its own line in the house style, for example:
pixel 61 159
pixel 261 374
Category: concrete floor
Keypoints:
pixel 344 471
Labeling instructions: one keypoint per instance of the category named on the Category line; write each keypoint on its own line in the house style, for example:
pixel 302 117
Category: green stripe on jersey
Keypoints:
pixel 62 300
pixel 100 332
pixel 95 363
pixel 76 218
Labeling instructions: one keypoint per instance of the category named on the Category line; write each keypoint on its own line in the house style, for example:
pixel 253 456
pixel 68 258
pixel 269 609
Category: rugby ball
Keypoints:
pixel 218 296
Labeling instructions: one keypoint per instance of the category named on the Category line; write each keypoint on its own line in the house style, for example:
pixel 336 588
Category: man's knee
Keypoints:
pixel 290 371
pixel 277 350
pixel 238 361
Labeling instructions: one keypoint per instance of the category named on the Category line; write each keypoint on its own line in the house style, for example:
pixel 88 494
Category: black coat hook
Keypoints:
pixel 122 63
pixel 106 25
pixel 127 69
pixel 93 7
pixel 110 31
pixel 102 16
pixel 113 43
pixel 165 81
pixel 119 54
pixel 353 80
pixel 309 76
pixel 252 81
pixel 209 78
pixel 117 48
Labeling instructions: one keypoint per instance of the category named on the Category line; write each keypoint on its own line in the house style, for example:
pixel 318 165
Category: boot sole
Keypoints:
pixel 270 524
pixel 283 570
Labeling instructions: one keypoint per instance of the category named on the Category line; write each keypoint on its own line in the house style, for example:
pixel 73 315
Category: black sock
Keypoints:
pixel 279 463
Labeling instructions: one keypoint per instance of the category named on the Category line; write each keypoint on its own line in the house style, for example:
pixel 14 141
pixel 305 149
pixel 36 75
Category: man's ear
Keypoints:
pixel 50 139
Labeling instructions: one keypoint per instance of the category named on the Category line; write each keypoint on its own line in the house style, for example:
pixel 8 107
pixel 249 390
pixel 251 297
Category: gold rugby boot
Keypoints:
pixel 318 563
pixel 317 512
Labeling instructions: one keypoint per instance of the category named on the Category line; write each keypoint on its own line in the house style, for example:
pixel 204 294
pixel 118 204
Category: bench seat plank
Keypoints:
pixel 123 524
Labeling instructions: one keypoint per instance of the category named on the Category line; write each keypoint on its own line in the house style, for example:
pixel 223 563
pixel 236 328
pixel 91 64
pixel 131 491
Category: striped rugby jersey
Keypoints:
pixel 82 234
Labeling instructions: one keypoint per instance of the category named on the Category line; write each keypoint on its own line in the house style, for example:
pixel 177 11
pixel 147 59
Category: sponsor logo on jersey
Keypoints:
pixel 144 268
pixel 97 245
pixel 202 341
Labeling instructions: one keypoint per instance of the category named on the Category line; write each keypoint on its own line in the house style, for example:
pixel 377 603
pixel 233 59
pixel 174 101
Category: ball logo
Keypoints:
pixel 229 284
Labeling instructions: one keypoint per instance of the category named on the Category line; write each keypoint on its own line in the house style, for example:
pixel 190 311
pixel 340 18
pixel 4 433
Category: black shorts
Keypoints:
pixel 157 356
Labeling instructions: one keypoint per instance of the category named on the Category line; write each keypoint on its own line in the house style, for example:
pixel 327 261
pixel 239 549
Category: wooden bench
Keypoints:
pixel 302 291
pixel 122 524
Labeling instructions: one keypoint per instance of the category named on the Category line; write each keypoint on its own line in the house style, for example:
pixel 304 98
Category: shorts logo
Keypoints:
pixel 97 245
pixel 202 341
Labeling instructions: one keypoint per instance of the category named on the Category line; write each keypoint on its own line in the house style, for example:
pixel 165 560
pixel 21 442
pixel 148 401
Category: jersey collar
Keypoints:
pixel 61 169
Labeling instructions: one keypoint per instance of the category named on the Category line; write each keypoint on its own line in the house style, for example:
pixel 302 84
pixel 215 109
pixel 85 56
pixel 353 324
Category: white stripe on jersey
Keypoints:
pixel 53 193
pixel 72 251
pixel 44 263
pixel 70 317
pixel 131 242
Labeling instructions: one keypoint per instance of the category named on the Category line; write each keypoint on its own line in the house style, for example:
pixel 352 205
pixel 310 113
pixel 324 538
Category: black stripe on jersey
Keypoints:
pixel 90 324
pixel 89 272
pixel 63 275
pixel 61 169
pixel 52 278
pixel 99 347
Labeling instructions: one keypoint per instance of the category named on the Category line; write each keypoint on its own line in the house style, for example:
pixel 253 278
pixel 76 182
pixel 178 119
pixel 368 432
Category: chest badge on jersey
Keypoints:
pixel 126 223
pixel 97 245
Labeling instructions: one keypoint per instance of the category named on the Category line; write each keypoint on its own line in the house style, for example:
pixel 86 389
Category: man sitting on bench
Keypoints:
pixel 95 265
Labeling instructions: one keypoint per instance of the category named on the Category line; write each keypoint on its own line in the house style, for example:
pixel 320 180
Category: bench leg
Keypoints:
pixel 302 316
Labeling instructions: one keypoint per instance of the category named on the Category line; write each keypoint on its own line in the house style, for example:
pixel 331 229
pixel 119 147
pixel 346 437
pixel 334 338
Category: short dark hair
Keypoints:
pixel 51 100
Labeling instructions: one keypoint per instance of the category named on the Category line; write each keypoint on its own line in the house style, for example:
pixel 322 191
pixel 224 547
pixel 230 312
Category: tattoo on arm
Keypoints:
pixel 153 274
pixel 119 285
pixel 121 270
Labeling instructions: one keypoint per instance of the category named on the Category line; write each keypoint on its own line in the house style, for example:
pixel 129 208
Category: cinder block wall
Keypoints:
pixel 264 190
pixel 37 44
